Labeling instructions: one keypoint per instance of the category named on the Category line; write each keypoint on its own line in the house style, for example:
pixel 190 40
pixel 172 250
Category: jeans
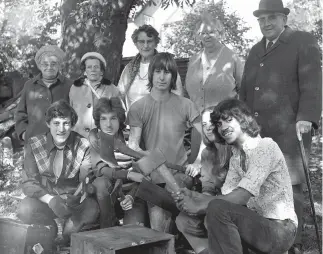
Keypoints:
pixel 193 228
pixel 230 225
pixel 160 219
pixel 299 209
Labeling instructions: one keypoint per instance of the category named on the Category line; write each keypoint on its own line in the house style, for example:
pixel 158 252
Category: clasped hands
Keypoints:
pixel 188 201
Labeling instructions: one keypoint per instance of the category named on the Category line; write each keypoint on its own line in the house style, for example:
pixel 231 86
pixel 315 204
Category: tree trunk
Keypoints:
pixel 95 25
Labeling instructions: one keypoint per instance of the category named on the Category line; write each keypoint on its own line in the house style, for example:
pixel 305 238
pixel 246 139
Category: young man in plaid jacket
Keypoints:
pixel 55 163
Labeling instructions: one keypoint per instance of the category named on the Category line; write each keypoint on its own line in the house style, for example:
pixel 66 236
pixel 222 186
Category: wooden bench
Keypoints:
pixel 128 239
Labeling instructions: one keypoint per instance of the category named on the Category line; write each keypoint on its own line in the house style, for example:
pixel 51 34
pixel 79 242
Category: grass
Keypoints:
pixel 10 180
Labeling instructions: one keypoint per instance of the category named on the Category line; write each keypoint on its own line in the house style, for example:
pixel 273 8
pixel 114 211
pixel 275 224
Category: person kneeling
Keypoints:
pixel 55 164
pixel 256 208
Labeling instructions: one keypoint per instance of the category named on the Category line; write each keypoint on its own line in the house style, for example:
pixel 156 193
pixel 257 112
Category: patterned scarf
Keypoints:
pixel 134 66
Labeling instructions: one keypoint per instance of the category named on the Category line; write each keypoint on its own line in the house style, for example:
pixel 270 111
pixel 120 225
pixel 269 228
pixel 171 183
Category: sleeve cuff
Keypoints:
pixel 247 184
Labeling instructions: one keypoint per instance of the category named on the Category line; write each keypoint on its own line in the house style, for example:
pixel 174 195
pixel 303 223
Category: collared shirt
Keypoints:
pixel 36 97
pixel 39 178
pixel 274 41
pixel 265 176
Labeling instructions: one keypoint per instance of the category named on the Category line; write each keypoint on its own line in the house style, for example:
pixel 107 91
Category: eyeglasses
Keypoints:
pixel 211 33
pixel 143 42
pixel 270 19
pixel 51 65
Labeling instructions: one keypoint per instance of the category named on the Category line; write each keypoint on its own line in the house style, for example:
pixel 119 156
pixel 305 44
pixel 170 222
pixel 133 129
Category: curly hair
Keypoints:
pixel 239 110
pixel 163 61
pixel 150 32
pixel 105 105
pixel 61 109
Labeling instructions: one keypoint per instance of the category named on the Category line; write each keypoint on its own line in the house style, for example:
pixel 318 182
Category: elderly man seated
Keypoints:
pixel 55 163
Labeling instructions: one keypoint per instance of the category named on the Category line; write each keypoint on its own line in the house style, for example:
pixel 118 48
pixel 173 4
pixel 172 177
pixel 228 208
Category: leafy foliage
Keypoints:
pixel 306 15
pixel 25 27
pixel 180 36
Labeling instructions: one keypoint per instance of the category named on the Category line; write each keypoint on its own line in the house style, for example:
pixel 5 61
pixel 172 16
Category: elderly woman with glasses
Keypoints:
pixel 40 92
pixel 86 91
pixel 134 78
pixel 213 74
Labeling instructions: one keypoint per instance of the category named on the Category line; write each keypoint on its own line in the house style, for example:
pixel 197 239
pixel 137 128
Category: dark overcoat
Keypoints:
pixel 283 86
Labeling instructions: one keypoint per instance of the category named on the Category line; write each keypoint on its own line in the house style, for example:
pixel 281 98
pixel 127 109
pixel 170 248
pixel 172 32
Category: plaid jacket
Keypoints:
pixel 39 178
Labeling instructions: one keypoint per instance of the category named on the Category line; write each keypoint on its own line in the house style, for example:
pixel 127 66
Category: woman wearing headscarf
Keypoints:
pixel 134 78
pixel 86 90
pixel 214 73
pixel 41 91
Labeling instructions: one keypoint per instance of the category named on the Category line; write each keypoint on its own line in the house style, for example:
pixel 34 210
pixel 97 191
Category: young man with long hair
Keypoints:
pixel 256 206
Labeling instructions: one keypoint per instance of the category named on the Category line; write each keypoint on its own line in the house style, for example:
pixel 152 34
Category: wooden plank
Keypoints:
pixel 115 239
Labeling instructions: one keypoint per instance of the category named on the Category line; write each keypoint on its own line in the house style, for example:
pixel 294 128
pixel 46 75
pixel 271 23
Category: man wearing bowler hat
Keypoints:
pixel 282 85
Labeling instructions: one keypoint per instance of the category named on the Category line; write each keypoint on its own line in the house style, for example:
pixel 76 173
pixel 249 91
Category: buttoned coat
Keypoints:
pixel 36 98
pixel 83 100
pixel 283 86
pixel 222 82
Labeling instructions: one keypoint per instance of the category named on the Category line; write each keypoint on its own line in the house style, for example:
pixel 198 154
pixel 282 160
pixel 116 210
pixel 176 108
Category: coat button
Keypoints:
pixel 87 129
pixel 261 65
pixel 256 88
pixel 256 114
pixel 89 105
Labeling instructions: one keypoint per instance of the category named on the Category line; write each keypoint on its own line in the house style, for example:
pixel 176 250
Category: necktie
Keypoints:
pixel 269 45
pixel 58 163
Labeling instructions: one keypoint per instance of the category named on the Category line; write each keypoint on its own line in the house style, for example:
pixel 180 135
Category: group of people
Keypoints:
pixel 250 121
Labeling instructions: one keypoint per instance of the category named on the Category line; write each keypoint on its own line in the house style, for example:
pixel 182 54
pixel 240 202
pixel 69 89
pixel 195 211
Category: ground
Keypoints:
pixel 10 190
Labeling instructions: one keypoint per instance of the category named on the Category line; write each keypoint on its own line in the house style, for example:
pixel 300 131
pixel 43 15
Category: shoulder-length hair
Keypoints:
pixel 239 110
pixel 163 61
pixel 61 109
pixel 205 140
pixel 105 105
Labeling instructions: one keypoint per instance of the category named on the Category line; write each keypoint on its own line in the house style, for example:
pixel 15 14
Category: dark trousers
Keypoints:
pixel 110 209
pixel 299 210
pixel 33 211
pixel 230 226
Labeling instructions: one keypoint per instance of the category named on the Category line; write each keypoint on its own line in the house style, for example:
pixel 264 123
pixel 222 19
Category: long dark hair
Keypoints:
pixel 105 105
pixel 240 111
pixel 163 61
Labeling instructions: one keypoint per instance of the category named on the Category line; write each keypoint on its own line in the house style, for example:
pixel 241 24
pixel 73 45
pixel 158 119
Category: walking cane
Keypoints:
pixel 308 182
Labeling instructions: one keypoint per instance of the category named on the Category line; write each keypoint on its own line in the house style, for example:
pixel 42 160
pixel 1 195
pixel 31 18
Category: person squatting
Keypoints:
pixel 247 123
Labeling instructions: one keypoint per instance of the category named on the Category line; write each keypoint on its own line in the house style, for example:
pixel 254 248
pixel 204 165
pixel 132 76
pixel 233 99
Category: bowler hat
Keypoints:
pixel 271 6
